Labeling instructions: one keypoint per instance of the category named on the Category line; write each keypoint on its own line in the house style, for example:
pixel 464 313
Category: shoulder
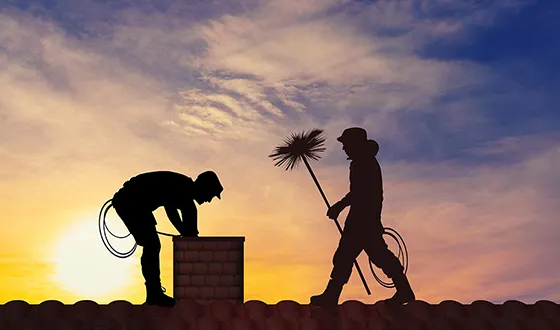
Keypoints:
pixel 362 162
pixel 175 176
pixel 170 178
pixel 183 182
pixel 186 179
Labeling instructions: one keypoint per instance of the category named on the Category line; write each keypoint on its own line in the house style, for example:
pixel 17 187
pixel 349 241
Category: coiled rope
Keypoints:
pixel 103 229
pixel 402 247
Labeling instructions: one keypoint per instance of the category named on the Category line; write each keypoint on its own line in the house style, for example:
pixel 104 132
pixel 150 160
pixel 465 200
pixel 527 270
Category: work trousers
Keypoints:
pixel 142 226
pixel 363 233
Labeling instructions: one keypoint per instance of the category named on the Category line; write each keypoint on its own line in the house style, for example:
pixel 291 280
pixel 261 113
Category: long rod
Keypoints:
pixel 335 221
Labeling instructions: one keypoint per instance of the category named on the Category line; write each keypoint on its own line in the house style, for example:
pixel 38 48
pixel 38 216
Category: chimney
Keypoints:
pixel 208 268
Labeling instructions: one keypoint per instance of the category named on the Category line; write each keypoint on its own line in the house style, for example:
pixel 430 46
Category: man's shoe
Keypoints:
pixel 404 292
pixel 156 296
pixel 400 298
pixel 330 297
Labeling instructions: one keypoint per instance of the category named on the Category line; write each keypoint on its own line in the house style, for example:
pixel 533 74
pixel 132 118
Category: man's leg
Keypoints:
pixel 382 257
pixel 349 247
pixel 142 227
pixel 149 240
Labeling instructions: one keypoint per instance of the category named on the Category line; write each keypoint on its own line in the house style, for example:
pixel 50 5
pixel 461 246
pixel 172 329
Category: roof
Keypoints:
pixel 285 315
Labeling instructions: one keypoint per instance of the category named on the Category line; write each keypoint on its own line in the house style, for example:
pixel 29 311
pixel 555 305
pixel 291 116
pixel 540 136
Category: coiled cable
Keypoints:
pixel 103 229
pixel 402 252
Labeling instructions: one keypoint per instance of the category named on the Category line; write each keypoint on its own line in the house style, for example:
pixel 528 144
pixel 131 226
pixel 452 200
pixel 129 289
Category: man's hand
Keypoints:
pixel 189 226
pixel 335 210
pixel 185 232
pixel 173 216
pixel 182 230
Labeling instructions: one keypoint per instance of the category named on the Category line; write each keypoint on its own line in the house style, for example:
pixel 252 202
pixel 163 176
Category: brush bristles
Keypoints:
pixel 299 146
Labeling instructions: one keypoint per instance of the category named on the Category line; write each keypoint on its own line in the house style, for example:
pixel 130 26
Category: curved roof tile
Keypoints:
pixel 285 315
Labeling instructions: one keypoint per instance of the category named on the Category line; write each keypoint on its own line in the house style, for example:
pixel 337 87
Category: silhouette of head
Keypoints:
pixel 354 140
pixel 207 186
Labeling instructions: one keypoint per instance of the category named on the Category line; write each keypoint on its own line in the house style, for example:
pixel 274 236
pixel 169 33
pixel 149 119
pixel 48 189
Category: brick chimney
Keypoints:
pixel 208 268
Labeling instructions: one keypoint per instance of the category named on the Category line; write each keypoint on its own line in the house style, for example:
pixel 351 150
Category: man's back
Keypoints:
pixel 366 183
pixel 154 189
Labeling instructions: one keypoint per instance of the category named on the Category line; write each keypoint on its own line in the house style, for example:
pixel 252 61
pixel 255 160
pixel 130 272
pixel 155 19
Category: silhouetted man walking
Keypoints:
pixel 363 229
pixel 143 194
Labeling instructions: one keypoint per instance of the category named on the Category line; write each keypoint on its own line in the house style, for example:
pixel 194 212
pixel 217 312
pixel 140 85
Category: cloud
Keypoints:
pixel 336 63
pixel 145 90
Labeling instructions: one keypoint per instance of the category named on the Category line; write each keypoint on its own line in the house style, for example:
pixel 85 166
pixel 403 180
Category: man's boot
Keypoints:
pixel 404 292
pixel 155 296
pixel 330 297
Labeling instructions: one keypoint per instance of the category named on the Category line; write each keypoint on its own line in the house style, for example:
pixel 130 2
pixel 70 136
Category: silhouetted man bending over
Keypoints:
pixel 363 229
pixel 143 194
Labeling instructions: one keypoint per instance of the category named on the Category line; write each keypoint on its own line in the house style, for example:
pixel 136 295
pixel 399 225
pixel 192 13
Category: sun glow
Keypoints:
pixel 85 267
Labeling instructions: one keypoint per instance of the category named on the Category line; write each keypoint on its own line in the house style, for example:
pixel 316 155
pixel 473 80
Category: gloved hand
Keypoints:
pixel 181 229
pixel 335 210
pixel 188 233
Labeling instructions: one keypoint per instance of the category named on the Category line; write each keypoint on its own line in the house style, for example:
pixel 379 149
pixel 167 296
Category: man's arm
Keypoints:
pixel 175 219
pixel 359 189
pixel 338 207
pixel 346 200
pixel 190 218
pixel 361 185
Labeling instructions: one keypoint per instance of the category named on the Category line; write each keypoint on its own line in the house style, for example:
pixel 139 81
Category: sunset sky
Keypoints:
pixel 462 97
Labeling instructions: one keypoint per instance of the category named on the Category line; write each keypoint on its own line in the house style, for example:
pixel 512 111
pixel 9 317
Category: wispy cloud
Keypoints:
pixel 89 100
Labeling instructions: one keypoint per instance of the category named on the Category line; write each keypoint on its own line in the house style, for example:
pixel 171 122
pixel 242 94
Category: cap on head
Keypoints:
pixel 210 181
pixel 353 135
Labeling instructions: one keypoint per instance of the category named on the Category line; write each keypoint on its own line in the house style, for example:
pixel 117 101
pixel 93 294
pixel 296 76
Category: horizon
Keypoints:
pixel 461 97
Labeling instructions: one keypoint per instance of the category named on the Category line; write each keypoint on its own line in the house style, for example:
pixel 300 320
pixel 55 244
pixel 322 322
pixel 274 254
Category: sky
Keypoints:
pixel 460 95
